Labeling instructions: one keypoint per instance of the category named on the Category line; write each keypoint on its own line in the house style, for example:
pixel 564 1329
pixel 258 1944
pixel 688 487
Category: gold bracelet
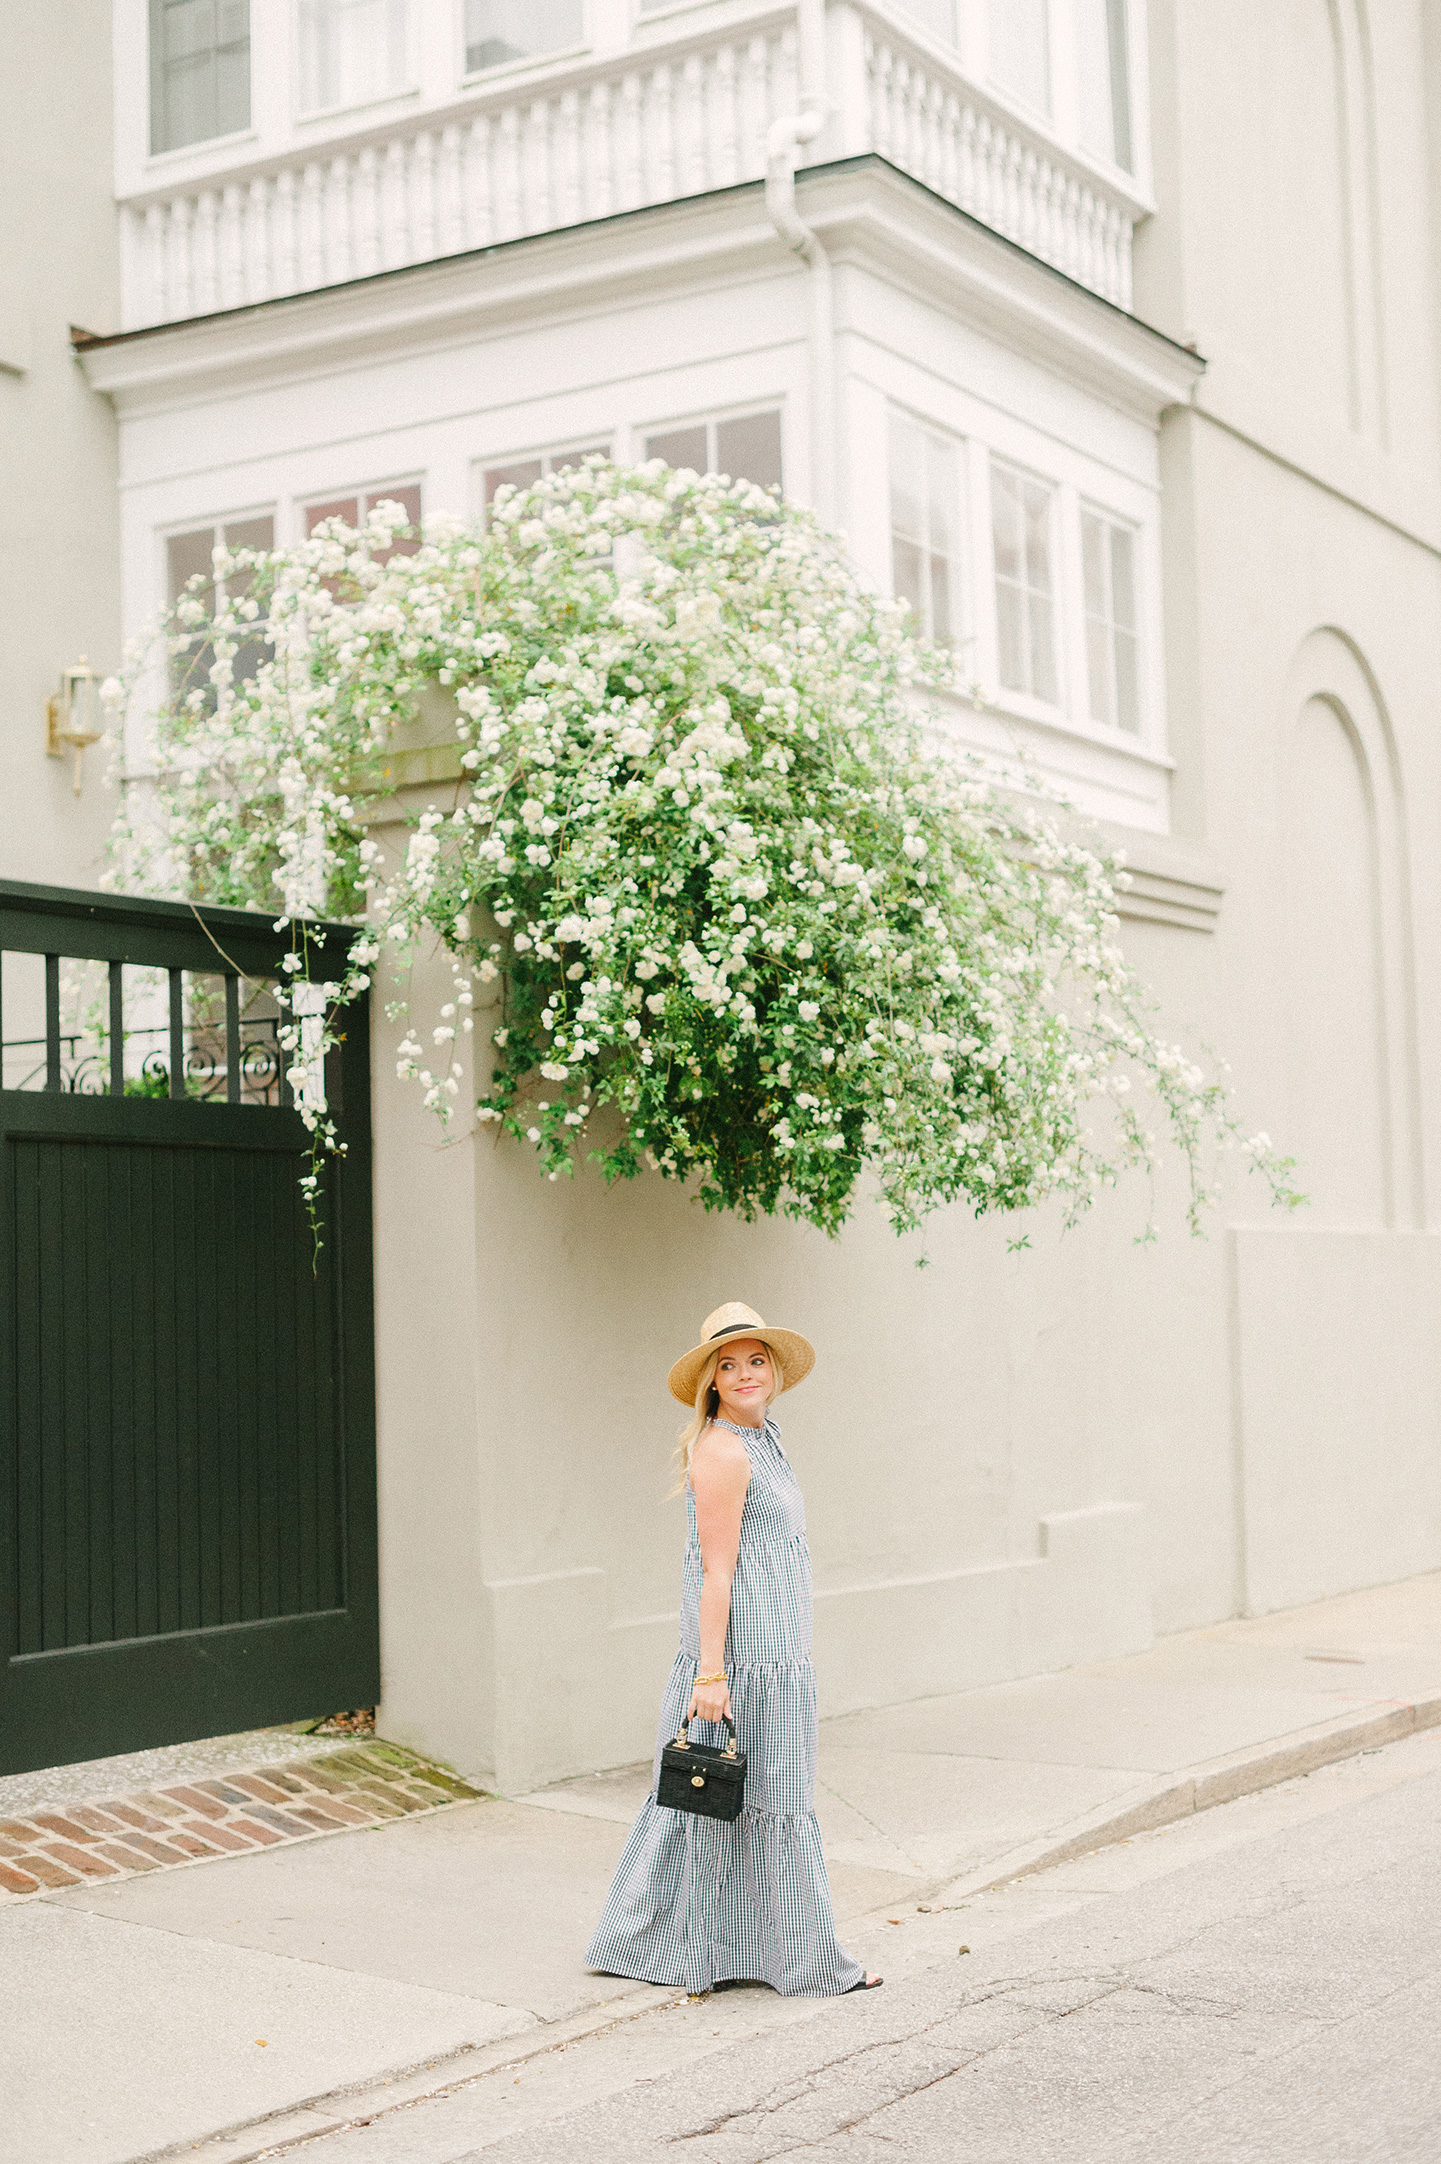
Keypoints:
pixel 721 1678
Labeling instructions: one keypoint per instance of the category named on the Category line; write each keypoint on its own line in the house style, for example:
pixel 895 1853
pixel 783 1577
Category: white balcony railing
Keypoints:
pixel 595 139
pixel 932 124
pixel 611 140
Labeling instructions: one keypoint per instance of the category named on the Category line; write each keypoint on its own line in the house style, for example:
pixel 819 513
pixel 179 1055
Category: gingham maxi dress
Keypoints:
pixel 694 1901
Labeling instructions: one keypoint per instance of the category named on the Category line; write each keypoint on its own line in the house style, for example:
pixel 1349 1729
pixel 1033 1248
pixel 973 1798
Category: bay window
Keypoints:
pixel 356 509
pixel 199 71
pixel 1101 37
pixel 194 551
pixel 352 52
pixel 500 30
pixel 1040 583
pixel 925 512
pixel 746 446
pixel 1022 519
pixel 1020 51
pixel 1108 563
pixel 525 472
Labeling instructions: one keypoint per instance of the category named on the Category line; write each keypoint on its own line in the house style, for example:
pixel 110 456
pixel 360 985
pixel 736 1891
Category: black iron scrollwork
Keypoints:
pixel 85 1067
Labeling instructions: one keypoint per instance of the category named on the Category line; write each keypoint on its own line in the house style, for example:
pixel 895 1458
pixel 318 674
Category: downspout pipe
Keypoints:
pixel 784 140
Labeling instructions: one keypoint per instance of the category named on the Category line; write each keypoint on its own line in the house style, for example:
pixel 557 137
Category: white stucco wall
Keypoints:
pixel 59 557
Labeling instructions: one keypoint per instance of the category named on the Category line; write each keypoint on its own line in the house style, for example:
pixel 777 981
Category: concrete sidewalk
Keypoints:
pixel 227 2009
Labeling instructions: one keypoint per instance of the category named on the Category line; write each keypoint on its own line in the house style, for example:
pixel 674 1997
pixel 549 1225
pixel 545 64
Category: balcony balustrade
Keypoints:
pixel 601 136
pixel 931 123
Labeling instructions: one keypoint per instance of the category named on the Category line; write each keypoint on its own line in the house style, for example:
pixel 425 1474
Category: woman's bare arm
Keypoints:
pixel 720 1473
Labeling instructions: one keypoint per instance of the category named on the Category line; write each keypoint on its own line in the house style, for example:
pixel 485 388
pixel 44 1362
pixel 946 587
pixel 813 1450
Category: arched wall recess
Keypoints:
pixel 1332 715
pixel 1358 160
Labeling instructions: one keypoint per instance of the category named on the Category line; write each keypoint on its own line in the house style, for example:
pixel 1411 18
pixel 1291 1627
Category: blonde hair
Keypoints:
pixel 707 1403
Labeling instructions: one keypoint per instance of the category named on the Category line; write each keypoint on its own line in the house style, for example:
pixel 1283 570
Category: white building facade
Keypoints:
pixel 946 272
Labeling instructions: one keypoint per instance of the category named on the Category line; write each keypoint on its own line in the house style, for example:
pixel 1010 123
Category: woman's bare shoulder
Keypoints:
pixel 720 1459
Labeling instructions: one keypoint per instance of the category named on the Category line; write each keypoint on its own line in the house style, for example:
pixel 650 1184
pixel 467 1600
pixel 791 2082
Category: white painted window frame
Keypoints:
pixel 367 493
pixel 152 16
pixel 159 673
pixel 963 612
pixel 566 452
pixel 988 608
pixel 173 528
pixel 552 56
pixel 1076 478
pixel 311 116
pixel 1087 507
pixel 711 418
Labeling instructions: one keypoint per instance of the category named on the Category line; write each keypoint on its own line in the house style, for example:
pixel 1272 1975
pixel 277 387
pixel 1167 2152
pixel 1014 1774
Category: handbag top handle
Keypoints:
pixel 682 1736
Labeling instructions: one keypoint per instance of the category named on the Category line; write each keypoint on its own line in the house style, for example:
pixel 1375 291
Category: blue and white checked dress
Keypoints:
pixel 695 1901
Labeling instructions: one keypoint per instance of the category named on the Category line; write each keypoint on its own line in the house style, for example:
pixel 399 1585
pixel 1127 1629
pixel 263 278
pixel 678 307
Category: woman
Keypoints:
pixel 696 1901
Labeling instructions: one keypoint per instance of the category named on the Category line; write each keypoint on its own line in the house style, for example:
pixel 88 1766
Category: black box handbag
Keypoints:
pixel 695 1778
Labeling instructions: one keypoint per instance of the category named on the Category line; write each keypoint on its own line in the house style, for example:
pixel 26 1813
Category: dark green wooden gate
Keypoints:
pixel 187 1435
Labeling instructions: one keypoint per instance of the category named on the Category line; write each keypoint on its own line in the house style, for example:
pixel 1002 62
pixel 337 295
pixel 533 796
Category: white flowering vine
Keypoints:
pixel 700 873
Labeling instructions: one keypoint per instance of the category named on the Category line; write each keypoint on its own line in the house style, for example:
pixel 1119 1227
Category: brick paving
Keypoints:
pixel 197 1821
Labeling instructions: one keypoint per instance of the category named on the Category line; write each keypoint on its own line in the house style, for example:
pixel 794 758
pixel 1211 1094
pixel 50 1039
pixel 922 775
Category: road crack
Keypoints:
pixel 1109 1984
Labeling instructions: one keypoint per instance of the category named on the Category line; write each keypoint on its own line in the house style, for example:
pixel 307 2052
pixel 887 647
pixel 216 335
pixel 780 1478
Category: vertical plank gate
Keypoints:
pixel 187 1426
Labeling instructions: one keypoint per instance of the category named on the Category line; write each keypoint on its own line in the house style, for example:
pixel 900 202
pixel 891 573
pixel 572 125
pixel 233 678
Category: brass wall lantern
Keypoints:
pixel 72 717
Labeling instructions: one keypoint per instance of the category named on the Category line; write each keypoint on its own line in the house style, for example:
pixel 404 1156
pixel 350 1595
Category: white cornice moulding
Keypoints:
pixel 872 213
pixel 868 213
pixel 450 300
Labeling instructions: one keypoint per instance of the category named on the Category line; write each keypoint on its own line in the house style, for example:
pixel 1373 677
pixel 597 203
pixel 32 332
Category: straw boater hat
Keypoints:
pixel 735 1319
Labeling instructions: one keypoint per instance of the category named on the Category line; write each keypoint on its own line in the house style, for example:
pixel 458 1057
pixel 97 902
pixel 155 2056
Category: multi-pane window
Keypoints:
pixel 525 472
pixel 747 447
pixel 1022 518
pixel 352 51
pixel 199 70
pixel 1105 80
pixel 354 510
pixel 501 30
pixel 1020 50
pixel 1108 559
pixel 925 506
pixel 192 552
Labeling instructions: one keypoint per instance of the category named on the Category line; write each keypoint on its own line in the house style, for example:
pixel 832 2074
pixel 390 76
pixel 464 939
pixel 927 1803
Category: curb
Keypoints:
pixel 1199 1788
pixel 336 2111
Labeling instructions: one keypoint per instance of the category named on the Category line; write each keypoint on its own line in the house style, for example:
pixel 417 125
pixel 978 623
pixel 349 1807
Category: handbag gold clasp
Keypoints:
pixel 697 1780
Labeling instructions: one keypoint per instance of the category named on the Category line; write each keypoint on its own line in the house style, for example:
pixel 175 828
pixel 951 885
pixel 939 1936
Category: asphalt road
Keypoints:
pixel 1260 1983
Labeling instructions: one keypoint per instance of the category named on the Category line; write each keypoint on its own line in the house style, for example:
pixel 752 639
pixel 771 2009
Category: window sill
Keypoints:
pixel 526 64
pixel 162 160
pixel 1098 773
pixel 318 115
pixel 665 14
pixel 1036 714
